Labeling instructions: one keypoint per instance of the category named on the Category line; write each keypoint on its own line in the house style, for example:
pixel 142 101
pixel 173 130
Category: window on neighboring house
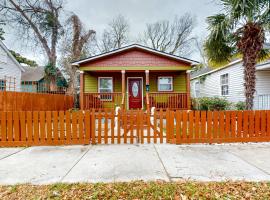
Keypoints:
pixel 197 89
pixel 105 85
pixel 2 85
pixel 165 84
pixel 224 82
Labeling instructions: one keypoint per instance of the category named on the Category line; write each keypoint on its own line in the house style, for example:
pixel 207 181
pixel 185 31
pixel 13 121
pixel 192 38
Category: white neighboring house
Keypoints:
pixel 228 82
pixel 10 70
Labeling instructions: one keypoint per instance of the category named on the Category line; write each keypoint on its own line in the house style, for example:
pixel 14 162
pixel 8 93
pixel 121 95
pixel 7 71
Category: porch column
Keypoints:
pixel 81 90
pixel 123 72
pixel 188 90
pixel 147 89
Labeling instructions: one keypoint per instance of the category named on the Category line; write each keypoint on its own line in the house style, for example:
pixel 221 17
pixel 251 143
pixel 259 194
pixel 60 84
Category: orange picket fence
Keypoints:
pixel 27 101
pixel 107 127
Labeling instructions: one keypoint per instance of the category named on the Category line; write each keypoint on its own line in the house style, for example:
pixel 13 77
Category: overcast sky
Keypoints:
pixel 97 14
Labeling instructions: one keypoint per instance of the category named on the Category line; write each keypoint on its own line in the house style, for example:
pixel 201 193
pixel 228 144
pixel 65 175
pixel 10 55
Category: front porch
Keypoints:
pixel 135 90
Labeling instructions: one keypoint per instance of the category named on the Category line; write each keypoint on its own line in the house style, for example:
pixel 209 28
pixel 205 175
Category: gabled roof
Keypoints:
pixel 208 70
pixel 11 56
pixel 33 74
pixel 136 46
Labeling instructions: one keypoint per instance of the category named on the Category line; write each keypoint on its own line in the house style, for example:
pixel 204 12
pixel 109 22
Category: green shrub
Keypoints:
pixel 240 105
pixel 211 103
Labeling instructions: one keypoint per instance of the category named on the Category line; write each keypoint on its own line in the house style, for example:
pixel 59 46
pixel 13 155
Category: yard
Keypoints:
pixel 140 190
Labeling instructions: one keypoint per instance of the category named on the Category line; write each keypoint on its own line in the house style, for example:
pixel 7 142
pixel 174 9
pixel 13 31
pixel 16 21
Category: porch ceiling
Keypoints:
pixel 135 68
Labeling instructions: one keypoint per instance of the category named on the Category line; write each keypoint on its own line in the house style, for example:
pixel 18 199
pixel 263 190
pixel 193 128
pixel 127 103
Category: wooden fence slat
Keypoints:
pixel 263 123
pixel 68 127
pixel 167 126
pixel 215 124
pixel 245 123
pixel 87 127
pixel 42 126
pixel 228 125
pixel 178 126
pixel 112 126
pixel 93 125
pixel 155 127
pixel 22 126
pixel 257 123
pixel 131 126
pixel 148 118
pixel 268 123
pixel 161 125
pixel 203 124
pixel 9 126
pixel 56 127
pixel 16 126
pixel 239 123
pixel 36 127
pixel 142 126
pixel 209 124
pixel 106 126
pixel 62 125
pixel 197 124
pixel 3 126
pixel 190 124
pixel 233 124
pixel 118 127
pixel 49 126
pixel 99 127
pixel 184 125
pixel 125 126
pixel 221 124
pixel 29 126
pixel 81 128
pixel 74 122
pixel 251 123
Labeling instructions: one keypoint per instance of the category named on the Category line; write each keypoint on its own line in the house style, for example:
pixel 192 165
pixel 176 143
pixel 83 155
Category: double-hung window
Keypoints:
pixel 224 83
pixel 165 83
pixel 2 85
pixel 105 85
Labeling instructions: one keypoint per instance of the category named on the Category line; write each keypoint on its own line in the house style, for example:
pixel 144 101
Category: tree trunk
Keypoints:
pixel 250 44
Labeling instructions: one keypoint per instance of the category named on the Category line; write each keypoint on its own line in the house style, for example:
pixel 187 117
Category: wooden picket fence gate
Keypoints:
pixel 32 128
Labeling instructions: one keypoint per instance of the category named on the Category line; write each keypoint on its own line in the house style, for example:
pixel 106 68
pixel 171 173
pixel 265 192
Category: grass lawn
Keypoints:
pixel 140 190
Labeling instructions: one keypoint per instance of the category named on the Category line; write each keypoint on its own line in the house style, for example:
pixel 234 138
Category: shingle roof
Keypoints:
pixel 33 74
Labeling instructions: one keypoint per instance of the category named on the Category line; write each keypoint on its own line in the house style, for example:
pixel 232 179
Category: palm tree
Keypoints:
pixel 240 30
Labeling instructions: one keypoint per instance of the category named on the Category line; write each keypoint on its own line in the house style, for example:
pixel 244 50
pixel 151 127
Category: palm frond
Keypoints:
pixel 218 46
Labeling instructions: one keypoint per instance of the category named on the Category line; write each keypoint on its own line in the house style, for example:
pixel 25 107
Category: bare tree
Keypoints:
pixel 74 46
pixel 115 35
pixel 171 37
pixel 34 19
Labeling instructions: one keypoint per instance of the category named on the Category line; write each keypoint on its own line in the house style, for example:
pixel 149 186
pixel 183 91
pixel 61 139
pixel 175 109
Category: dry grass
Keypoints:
pixel 140 190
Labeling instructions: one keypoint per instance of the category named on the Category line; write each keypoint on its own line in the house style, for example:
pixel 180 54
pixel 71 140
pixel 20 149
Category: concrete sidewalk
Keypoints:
pixel 109 163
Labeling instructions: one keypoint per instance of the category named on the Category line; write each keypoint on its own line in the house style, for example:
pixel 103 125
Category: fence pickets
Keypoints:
pixel 30 128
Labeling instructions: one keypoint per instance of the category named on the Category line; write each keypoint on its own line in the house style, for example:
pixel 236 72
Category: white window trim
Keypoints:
pixel 107 77
pixel 159 90
pixel 223 85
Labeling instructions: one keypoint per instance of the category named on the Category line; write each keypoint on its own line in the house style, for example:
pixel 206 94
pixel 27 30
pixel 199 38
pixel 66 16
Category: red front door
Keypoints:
pixel 135 93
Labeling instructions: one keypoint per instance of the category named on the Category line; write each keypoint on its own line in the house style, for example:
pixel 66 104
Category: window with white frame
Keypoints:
pixel 224 83
pixel 165 83
pixel 197 89
pixel 105 85
pixel 2 84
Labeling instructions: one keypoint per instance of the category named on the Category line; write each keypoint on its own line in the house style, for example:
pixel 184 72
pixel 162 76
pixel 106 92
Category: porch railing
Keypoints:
pixel 171 100
pixel 102 100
